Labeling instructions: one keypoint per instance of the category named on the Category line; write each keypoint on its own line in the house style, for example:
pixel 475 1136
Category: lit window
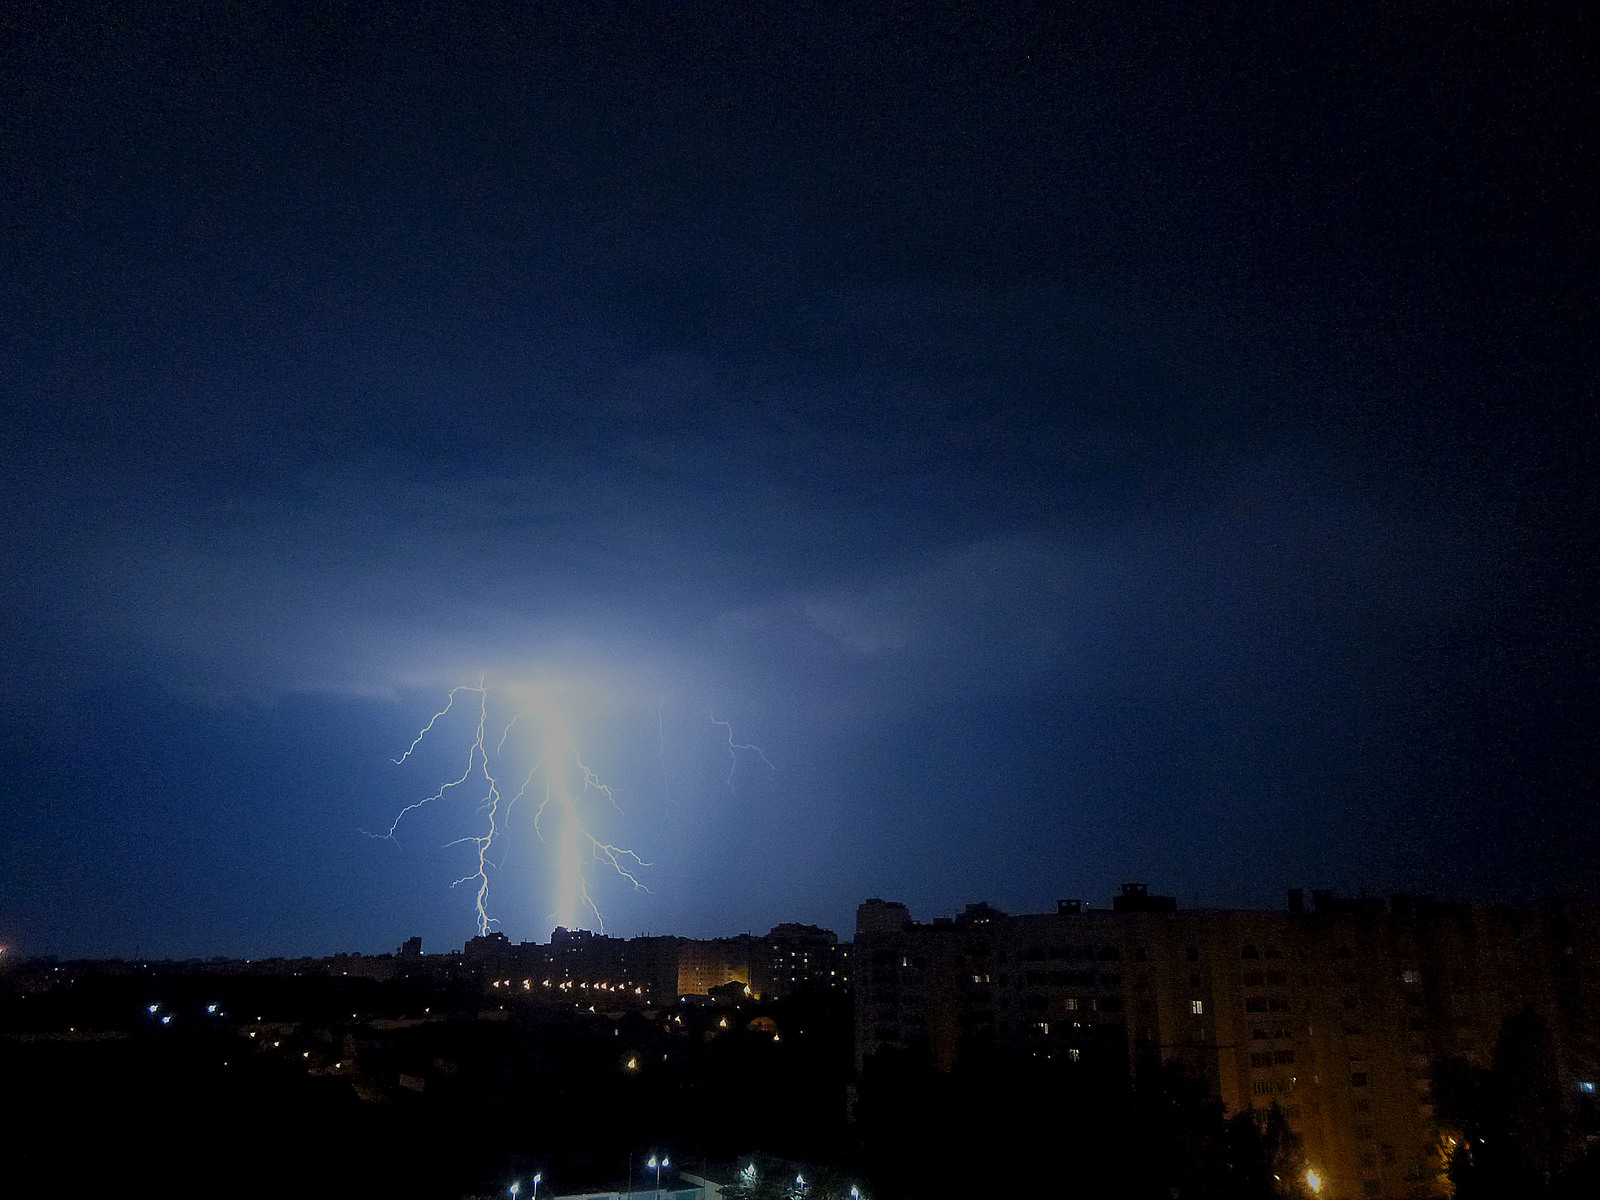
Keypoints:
pixel 1587 1086
pixel 1197 1007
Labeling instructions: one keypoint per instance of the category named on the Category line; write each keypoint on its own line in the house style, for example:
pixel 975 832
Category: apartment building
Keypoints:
pixel 1337 1011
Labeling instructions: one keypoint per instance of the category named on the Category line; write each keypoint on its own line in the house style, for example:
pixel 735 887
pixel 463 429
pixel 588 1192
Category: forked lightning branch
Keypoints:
pixel 566 787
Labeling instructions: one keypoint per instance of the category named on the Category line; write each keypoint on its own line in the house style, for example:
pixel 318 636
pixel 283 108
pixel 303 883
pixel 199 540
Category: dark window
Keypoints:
pixel 1138 954
pixel 1109 954
pixel 1344 952
pixel 1358 1079
pixel 1254 979
pixel 1194 953
pixel 1278 1004
pixel 1109 1004
pixel 1110 981
pixel 1283 1056
pixel 1278 978
pixel 1249 952
pixel 1256 1004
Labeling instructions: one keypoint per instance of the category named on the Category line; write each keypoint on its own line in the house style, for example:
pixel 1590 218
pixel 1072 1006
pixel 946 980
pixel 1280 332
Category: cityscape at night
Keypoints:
pixel 799 601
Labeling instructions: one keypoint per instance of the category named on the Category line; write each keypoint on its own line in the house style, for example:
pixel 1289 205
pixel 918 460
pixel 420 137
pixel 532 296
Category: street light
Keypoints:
pixel 1314 1182
pixel 514 1189
pixel 537 1180
pixel 665 1162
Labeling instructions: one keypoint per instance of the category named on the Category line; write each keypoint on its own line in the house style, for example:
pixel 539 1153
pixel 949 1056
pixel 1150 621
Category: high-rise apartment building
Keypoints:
pixel 1338 1013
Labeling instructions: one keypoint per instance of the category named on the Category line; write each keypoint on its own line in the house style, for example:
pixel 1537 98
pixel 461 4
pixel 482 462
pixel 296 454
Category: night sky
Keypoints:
pixel 1075 443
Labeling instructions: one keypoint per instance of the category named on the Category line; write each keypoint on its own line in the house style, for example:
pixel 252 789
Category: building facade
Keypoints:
pixel 1337 1012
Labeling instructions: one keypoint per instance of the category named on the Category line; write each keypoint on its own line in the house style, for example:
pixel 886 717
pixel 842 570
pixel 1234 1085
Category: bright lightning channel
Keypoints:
pixel 562 802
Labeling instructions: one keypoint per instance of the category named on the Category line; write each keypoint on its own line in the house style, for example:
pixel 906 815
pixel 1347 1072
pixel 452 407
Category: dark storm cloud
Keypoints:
pixel 1096 439
pixel 947 494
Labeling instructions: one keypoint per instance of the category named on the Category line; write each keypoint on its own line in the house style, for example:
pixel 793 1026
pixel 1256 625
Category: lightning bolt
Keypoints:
pixel 734 747
pixel 568 785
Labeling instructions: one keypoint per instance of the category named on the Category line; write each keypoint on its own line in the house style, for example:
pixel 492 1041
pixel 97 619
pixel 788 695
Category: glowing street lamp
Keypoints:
pixel 537 1180
pixel 514 1189
pixel 665 1162
pixel 1314 1182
